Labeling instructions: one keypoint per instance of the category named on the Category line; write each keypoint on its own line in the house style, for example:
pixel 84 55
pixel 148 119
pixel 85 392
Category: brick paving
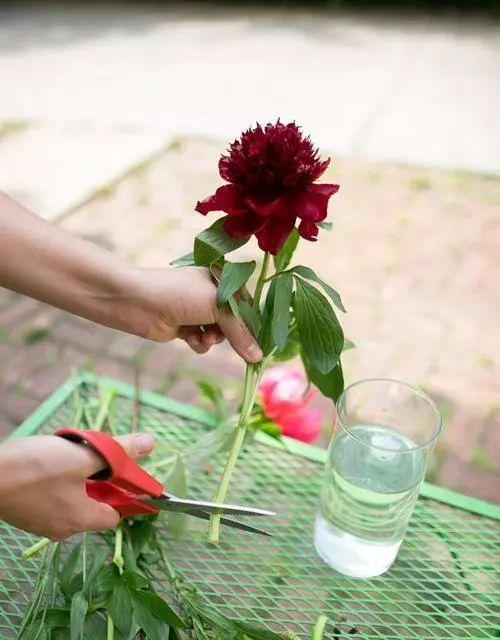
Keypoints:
pixel 412 251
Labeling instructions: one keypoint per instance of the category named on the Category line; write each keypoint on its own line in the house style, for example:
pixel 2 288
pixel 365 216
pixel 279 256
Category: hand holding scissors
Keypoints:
pixel 129 489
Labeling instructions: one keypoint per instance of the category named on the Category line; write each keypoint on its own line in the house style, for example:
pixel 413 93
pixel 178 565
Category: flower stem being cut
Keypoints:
pixel 252 378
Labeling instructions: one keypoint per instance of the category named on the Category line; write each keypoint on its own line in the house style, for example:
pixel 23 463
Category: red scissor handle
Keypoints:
pixel 122 481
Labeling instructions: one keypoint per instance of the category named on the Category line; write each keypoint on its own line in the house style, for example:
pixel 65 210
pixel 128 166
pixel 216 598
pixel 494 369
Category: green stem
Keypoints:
pixel 35 548
pixel 110 635
pixel 118 554
pixel 319 628
pixel 119 562
pixel 106 398
pixel 252 378
pixel 84 557
pixel 261 281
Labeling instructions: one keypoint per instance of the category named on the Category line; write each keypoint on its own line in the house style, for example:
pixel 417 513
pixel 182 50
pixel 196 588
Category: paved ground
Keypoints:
pixel 98 87
pixel 413 251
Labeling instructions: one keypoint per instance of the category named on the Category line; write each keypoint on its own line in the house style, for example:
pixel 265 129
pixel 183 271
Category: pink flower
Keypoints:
pixel 304 424
pixel 282 390
pixel 284 396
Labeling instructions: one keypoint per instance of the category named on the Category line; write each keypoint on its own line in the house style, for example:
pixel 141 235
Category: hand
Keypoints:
pixel 42 485
pixel 180 303
pixel 47 263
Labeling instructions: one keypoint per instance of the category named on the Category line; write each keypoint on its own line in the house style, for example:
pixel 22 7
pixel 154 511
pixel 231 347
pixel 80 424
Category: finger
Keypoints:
pixel 135 444
pixel 99 516
pixel 194 337
pixel 197 345
pixel 209 338
pixel 213 330
pixel 239 337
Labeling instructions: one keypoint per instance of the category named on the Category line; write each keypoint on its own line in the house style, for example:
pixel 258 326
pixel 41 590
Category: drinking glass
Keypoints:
pixel 376 462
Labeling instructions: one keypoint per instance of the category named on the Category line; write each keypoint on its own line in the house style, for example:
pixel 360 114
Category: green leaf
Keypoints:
pixel 130 558
pixel 95 567
pixel 157 607
pixel 213 243
pixel 104 581
pixel 235 309
pixel 152 627
pixel 55 617
pixel 330 384
pixel 134 580
pixel 251 317
pixel 209 444
pixel 327 226
pixel 68 571
pixel 141 535
pixel 309 274
pixel 283 257
pixel 75 585
pixel 281 311
pixel 348 344
pixel 119 606
pixel 95 627
pixel 184 261
pixel 291 348
pixel 234 275
pixel 256 633
pixel 269 427
pixel 320 333
pixel 79 608
pixel 212 617
pixel 215 395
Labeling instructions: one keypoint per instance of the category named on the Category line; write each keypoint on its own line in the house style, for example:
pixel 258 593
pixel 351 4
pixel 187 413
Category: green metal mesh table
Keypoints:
pixel 444 584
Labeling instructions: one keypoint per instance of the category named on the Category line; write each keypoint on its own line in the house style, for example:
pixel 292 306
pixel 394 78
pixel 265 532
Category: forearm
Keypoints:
pixel 42 261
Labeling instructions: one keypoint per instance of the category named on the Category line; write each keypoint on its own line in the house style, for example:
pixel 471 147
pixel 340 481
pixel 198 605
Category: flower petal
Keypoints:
pixel 209 204
pixel 304 424
pixel 283 390
pixel 227 198
pixel 272 236
pixel 242 226
pixel 312 202
pixel 308 230
pixel 277 207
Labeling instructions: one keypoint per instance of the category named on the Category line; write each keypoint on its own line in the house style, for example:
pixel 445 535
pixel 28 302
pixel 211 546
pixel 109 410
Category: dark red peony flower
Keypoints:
pixel 271 174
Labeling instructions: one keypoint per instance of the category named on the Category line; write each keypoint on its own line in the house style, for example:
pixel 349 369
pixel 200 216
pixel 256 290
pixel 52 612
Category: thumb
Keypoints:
pixel 137 445
pixel 98 516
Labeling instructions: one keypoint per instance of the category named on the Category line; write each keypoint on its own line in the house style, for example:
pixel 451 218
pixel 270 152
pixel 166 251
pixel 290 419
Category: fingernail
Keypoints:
pixel 143 443
pixel 254 353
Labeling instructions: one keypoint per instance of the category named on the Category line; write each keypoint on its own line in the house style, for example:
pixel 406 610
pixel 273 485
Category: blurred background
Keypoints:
pixel 112 119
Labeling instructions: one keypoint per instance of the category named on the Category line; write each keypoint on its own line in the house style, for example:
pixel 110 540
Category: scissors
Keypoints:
pixel 129 489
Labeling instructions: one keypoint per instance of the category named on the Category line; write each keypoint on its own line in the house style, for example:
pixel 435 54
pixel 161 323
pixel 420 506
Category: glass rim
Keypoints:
pixel 419 392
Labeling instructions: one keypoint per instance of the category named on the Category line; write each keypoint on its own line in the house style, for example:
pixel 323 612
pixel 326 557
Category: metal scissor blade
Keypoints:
pixel 171 503
pixel 204 515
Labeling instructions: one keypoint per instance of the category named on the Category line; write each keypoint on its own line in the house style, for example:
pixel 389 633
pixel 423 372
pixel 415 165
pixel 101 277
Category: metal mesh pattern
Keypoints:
pixel 444 584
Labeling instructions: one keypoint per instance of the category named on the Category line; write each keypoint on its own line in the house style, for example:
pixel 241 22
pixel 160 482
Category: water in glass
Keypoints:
pixel 372 483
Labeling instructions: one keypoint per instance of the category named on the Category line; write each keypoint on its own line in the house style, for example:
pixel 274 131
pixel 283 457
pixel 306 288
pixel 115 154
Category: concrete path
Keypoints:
pixel 105 86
